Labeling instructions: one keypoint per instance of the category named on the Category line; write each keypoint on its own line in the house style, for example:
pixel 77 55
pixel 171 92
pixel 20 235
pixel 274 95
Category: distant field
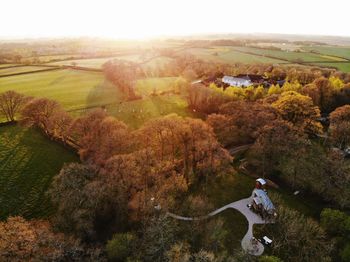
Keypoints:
pixel 48 58
pixel 20 69
pixel 6 65
pixel 28 162
pixel 288 55
pixel 345 67
pixel 330 50
pixel 72 88
pixel 227 55
pixel 97 62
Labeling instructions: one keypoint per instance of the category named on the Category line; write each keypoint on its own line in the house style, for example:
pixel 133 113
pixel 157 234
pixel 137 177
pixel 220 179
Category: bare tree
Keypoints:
pixel 11 103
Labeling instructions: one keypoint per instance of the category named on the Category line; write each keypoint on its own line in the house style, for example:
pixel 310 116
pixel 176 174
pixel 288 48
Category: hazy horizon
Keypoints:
pixel 155 18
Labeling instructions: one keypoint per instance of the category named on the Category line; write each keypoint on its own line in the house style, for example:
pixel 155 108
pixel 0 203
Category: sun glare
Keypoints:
pixel 142 19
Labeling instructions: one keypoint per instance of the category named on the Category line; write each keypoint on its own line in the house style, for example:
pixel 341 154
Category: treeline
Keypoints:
pixel 326 93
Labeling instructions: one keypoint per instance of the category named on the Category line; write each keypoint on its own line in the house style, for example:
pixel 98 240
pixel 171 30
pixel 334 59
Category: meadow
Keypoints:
pixel 328 56
pixel 339 51
pixel 20 69
pixel 79 91
pixel 72 88
pixel 28 162
pixel 6 65
pixel 286 55
pixel 96 62
pixel 229 55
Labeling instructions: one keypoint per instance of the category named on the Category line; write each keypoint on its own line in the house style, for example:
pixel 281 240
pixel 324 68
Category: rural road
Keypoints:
pixel 241 205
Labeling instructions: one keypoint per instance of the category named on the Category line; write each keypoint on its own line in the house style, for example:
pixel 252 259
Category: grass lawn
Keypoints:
pixel 72 88
pixel 135 113
pixel 147 86
pixel 20 69
pixel 28 162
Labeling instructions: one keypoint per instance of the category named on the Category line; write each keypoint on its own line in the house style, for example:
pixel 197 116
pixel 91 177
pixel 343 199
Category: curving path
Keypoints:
pixel 247 243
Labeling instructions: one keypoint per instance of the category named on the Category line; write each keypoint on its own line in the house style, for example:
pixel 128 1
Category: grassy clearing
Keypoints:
pixel 148 86
pixel 20 69
pixel 28 162
pixel 73 89
pixel 135 113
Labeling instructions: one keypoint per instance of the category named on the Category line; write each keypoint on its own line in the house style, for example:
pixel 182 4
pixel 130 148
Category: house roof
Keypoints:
pixel 236 81
pixel 261 181
pixel 251 77
pixel 260 197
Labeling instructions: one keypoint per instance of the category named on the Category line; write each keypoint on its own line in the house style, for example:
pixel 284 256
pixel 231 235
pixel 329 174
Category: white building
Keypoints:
pixel 235 81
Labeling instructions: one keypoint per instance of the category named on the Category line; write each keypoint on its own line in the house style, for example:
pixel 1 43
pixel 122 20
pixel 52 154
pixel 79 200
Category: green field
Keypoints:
pixel 339 51
pixel 228 55
pixel 28 161
pixel 287 55
pixel 72 88
pixel 137 112
pixel 156 85
pixel 96 62
pixel 78 90
pixel 20 69
pixel 345 67
pixel 6 65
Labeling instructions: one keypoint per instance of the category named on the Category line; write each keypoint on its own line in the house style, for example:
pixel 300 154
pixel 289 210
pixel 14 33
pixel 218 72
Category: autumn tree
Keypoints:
pixel 11 104
pixel 277 142
pixel 46 114
pixel 123 74
pixel 158 235
pixel 322 93
pixel 22 240
pixel 239 122
pixel 100 137
pixel 340 126
pixel 297 238
pixel 189 142
pixel 146 181
pixel 87 206
pixel 300 111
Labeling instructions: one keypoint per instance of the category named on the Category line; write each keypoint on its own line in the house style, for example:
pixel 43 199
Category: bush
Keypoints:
pixel 345 254
pixel 269 259
pixel 335 222
pixel 120 246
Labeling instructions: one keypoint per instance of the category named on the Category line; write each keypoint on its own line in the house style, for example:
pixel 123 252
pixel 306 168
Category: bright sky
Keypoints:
pixel 150 18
